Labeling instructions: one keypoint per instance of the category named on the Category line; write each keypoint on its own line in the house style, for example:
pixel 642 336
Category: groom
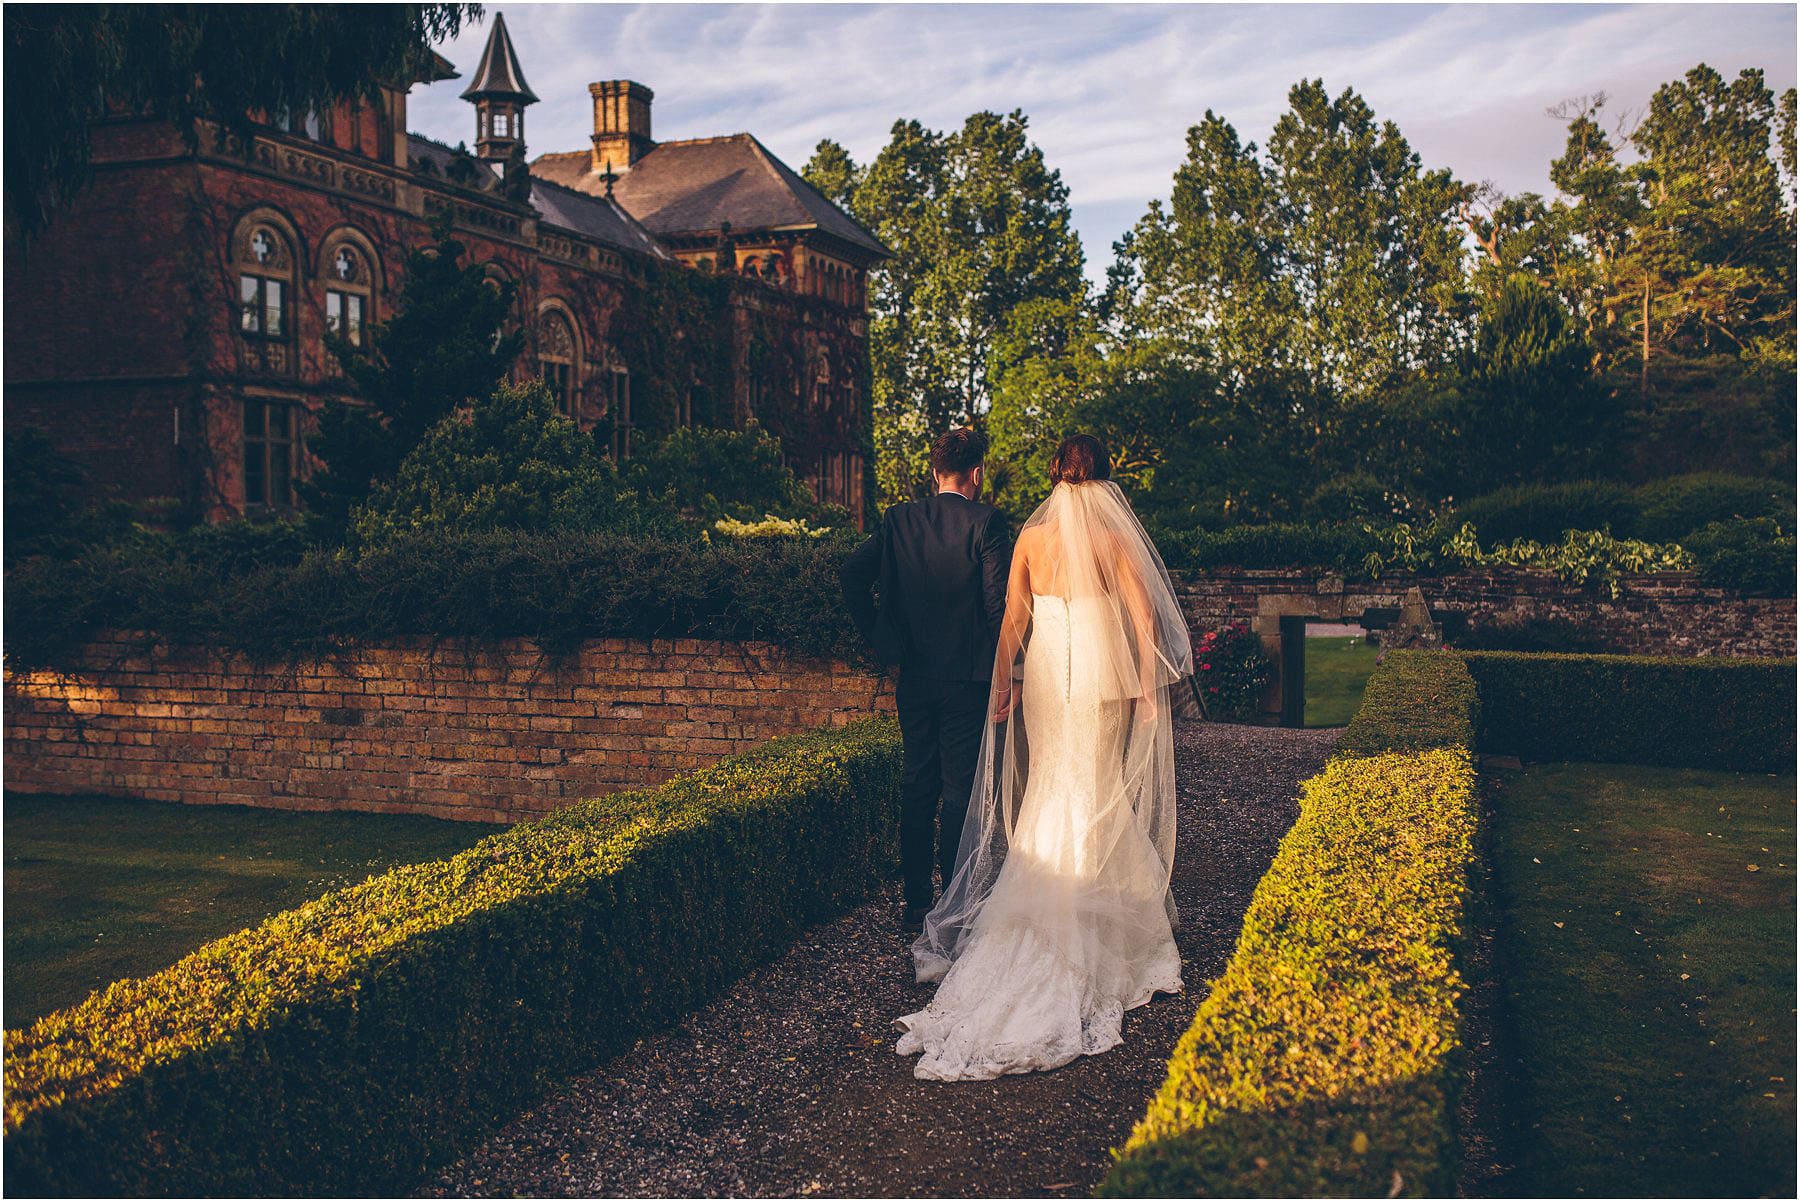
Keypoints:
pixel 940 566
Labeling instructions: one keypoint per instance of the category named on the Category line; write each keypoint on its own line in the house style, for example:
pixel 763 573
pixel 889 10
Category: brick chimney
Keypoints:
pixel 621 124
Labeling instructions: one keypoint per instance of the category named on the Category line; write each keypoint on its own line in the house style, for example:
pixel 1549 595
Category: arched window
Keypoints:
pixel 618 410
pixel 557 361
pixel 349 273
pixel 263 256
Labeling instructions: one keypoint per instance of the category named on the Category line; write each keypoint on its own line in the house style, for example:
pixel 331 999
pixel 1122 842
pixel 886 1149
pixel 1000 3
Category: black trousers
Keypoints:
pixel 940 740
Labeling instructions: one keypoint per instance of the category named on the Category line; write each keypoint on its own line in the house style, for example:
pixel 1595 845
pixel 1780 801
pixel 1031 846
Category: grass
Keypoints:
pixel 1337 668
pixel 1646 964
pixel 101 888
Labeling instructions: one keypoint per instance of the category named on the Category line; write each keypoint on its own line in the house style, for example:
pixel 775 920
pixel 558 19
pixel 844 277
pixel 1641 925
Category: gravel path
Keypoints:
pixel 788 1083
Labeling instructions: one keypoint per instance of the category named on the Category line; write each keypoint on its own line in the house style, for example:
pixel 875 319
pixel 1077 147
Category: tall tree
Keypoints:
pixel 69 63
pixel 443 346
pixel 980 228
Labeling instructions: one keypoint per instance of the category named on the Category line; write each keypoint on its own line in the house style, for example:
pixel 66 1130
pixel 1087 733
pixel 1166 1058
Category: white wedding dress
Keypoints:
pixel 1059 918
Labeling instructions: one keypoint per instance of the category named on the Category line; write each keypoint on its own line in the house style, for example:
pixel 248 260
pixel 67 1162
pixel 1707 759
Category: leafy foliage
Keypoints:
pixel 981 230
pixel 556 587
pixel 713 473
pixel 442 348
pixel 1753 555
pixel 315 1053
pixel 1582 555
pixel 1231 669
pixel 1675 507
pixel 508 462
pixel 1545 512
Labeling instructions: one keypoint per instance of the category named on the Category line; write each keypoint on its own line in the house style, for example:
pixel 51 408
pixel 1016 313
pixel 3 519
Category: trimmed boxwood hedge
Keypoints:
pixel 1693 712
pixel 347 1046
pixel 1415 701
pixel 1326 1059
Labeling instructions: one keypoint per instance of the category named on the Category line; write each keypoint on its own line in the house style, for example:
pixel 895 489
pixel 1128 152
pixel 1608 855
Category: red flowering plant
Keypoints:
pixel 1231 670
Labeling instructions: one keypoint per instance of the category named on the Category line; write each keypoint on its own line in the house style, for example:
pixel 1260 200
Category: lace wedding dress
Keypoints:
pixel 1059 917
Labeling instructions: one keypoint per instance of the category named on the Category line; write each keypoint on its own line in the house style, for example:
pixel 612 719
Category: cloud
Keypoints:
pixel 1111 90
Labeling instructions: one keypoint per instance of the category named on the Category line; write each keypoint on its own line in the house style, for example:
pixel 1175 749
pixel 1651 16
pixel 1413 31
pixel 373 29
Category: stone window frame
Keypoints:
pixel 341 292
pixel 272 447
pixel 564 375
pixel 617 403
pixel 265 253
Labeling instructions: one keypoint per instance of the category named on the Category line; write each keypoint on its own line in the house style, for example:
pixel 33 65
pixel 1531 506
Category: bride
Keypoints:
pixel 1059 917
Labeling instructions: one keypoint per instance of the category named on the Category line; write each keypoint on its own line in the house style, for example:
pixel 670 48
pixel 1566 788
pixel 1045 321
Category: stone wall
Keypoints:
pixel 1662 613
pixel 396 729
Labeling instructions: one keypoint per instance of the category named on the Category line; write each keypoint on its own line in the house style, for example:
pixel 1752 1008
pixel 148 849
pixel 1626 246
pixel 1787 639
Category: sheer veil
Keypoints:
pixel 1076 772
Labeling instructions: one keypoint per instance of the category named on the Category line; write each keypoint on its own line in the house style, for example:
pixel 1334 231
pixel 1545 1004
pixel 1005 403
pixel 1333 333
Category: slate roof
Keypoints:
pixel 695 186
pixel 498 74
pixel 421 148
pixel 595 216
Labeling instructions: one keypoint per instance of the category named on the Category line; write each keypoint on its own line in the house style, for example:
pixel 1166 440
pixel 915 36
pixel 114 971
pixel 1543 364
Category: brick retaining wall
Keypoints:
pixel 404 731
pixel 478 736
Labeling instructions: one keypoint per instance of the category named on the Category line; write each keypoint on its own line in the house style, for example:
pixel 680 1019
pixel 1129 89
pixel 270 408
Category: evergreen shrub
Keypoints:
pixel 1326 1059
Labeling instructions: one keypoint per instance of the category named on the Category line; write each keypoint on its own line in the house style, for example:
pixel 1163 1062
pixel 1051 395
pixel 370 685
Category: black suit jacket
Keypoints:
pixel 941 566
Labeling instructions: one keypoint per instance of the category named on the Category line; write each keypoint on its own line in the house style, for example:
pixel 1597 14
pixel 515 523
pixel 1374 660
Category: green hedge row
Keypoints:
pixel 1695 712
pixel 1416 701
pixel 1325 1060
pixel 347 1046
pixel 276 598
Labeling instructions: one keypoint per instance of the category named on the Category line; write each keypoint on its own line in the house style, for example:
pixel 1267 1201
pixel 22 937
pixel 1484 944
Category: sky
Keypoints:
pixel 1110 90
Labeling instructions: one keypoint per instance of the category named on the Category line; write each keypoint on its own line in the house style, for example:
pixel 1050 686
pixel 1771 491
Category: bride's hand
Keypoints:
pixel 1004 699
pixel 1147 707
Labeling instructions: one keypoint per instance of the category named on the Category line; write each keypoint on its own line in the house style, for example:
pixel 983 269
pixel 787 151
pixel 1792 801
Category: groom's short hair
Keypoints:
pixel 958 452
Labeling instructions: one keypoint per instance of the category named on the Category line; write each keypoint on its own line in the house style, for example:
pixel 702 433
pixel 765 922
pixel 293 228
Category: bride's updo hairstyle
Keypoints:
pixel 1078 459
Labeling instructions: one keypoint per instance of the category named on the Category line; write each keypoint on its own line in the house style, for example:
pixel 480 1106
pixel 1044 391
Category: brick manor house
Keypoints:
pixel 168 328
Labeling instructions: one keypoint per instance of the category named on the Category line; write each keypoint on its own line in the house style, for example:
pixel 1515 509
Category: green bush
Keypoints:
pixel 1542 513
pixel 1341 546
pixel 1673 508
pixel 508 461
pixel 1751 555
pixel 1326 1059
pixel 348 1046
pixel 555 588
pixel 1693 712
pixel 1354 496
pixel 1232 668
pixel 713 474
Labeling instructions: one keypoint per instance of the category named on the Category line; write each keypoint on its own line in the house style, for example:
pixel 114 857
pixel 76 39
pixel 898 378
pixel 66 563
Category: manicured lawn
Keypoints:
pixel 1337 668
pixel 1645 955
pixel 102 888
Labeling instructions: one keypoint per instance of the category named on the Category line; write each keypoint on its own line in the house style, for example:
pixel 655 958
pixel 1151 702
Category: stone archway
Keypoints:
pixel 1325 605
